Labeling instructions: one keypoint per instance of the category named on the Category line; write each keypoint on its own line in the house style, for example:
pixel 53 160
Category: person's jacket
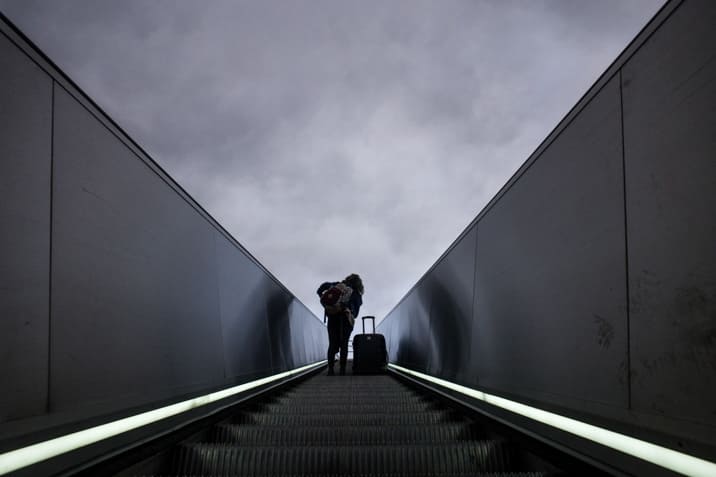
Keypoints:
pixel 354 303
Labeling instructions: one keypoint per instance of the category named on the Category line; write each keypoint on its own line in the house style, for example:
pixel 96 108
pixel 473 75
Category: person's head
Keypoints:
pixel 353 280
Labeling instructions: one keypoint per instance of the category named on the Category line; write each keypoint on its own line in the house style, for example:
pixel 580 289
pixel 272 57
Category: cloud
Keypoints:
pixel 337 137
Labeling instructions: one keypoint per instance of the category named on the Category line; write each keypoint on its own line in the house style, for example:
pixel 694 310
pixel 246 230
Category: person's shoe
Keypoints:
pixel 343 371
pixel 330 372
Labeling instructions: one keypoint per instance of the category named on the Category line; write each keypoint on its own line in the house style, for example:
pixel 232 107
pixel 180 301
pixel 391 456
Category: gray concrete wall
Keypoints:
pixel 117 290
pixel 588 285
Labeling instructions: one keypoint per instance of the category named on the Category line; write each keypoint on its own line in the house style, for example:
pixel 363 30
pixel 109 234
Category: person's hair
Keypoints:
pixel 353 280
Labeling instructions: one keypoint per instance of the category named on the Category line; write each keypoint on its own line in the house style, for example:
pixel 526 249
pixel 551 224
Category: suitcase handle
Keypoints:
pixel 369 318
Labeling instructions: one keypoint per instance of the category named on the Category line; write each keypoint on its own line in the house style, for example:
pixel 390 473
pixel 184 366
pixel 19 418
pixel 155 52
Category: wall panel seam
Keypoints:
pixel 51 224
pixel 626 242
pixel 473 318
pixel 220 308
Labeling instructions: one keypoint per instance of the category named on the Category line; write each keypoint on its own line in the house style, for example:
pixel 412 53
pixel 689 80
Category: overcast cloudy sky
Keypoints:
pixel 332 137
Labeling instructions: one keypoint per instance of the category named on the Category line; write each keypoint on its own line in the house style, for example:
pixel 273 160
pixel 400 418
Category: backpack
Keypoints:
pixel 335 299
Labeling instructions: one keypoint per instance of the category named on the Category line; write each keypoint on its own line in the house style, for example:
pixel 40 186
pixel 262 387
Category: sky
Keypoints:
pixel 332 137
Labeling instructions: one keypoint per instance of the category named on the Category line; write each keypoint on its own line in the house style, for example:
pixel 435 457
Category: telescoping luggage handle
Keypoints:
pixel 369 318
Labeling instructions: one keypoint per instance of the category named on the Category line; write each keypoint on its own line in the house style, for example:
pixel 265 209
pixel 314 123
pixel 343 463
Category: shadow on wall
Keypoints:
pixel 278 303
pixel 435 319
pixel 408 353
pixel 245 331
pixel 450 329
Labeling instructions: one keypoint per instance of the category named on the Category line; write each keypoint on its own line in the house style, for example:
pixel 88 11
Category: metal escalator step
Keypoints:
pixel 343 407
pixel 439 474
pixel 364 388
pixel 329 420
pixel 372 382
pixel 375 384
pixel 368 391
pixel 363 393
pixel 412 460
pixel 343 395
pixel 341 383
pixel 352 379
pixel 360 394
pixel 368 426
pixel 376 381
pixel 351 399
pixel 356 435
pixel 347 397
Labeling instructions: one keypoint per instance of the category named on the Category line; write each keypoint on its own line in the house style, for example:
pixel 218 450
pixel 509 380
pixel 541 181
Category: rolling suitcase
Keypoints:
pixel 369 352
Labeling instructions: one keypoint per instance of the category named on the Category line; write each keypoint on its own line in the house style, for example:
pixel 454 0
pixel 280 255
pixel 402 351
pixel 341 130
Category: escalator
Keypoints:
pixel 346 425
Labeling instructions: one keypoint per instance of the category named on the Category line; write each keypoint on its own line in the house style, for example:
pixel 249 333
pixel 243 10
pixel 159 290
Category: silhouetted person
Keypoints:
pixel 341 315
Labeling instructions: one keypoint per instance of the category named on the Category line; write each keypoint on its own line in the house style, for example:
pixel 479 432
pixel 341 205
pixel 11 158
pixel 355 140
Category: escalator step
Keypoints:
pixel 330 420
pixel 342 383
pixel 360 435
pixel 357 426
pixel 375 381
pixel 320 384
pixel 369 393
pixel 408 460
pixel 365 386
pixel 363 393
pixel 439 474
pixel 343 408
pixel 351 399
pixel 357 398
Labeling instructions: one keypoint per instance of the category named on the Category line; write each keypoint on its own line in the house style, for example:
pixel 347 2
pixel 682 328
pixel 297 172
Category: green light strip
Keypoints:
pixel 661 456
pixel 19 458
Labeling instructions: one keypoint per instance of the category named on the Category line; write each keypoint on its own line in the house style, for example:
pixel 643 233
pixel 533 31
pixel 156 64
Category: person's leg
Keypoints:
pixel 345 336
pixel 334 341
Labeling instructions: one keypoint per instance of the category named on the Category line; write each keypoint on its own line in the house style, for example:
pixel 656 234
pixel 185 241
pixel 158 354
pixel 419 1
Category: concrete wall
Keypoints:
pixel 588 285
pixel 117 290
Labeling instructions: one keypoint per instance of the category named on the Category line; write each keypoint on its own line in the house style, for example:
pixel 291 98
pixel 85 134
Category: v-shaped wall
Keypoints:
pixel 587 286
